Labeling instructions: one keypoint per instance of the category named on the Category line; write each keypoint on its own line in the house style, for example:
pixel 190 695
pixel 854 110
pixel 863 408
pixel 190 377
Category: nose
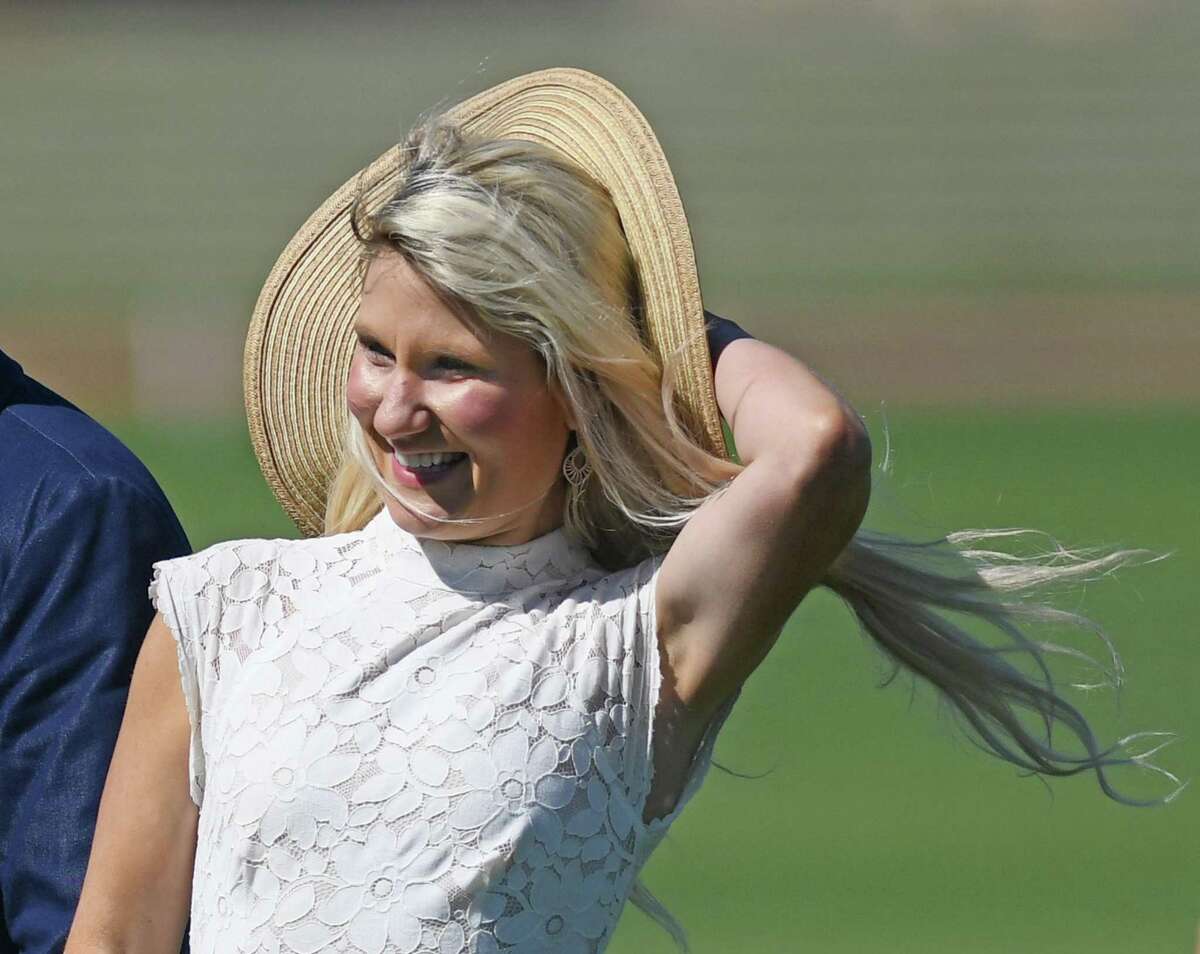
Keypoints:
pixel 402 411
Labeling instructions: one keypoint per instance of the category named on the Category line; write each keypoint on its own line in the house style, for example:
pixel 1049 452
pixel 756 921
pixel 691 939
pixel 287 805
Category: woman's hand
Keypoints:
pixel 137 890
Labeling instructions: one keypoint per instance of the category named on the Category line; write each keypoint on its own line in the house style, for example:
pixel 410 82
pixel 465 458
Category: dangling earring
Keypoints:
pixel 576 468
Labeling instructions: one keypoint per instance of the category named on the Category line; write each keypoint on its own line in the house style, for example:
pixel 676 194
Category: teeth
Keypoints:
pixel 426 460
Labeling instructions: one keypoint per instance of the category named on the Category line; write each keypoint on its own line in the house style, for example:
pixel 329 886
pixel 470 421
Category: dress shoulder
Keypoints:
pixel 229 587
pixel 246 567
pixel 217 602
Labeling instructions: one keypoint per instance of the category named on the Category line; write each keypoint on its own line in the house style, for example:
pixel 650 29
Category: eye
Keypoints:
pixel 373 347
pixel 453 363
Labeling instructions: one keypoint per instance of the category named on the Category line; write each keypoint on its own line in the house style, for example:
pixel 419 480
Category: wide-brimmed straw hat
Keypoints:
pixel 300 341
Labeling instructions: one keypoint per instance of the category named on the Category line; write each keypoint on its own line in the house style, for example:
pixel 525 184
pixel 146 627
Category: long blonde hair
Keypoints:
pixel 531 246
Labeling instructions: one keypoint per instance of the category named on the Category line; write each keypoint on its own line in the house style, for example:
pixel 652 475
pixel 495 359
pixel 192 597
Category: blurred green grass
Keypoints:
pixel 158 158
pixel 878 829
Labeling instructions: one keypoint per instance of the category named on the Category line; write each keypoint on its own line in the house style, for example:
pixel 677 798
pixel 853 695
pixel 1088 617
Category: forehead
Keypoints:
pixel 398 304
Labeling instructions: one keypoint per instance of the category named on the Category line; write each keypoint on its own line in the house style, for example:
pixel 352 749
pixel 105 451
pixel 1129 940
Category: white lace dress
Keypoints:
pixel 402 745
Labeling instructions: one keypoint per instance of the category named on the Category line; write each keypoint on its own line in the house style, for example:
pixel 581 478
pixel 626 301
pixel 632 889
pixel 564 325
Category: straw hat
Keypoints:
pixel 300 342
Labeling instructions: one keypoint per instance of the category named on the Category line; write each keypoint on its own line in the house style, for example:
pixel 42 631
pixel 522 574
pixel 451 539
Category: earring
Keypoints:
pixel 576 468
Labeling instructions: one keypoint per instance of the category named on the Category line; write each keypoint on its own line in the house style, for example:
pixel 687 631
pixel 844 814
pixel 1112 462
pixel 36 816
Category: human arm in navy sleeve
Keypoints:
pixel 720 333
pixel 73 614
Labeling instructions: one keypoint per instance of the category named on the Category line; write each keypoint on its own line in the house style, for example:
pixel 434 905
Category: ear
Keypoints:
pixel 564 406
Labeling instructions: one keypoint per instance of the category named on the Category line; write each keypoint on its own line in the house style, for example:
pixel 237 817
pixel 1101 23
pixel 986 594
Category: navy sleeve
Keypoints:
pixel 73 613
pixel 721 332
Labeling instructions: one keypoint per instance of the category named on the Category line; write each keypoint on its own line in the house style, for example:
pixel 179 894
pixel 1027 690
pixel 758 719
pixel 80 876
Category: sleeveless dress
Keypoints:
pixel 405 745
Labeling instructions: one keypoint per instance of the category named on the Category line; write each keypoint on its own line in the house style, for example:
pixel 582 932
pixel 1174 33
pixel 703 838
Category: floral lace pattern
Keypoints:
pixel 403 745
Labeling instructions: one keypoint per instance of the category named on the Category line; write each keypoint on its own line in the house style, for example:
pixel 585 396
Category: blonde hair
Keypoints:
pixel 528 244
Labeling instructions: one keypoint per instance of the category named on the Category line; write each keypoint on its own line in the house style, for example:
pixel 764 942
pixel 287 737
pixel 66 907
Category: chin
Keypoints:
pixel 415 524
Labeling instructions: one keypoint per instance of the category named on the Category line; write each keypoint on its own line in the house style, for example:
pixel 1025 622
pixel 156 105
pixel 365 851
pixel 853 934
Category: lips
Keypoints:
pixel 410 476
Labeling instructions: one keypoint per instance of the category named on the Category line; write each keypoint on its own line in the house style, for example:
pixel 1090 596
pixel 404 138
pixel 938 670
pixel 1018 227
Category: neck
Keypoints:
pixel 514 532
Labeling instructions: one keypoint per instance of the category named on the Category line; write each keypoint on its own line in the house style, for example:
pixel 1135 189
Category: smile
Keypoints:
pixel 419 470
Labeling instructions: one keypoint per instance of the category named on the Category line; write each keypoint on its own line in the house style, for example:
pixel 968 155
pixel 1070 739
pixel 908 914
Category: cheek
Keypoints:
pixel 484 412
pixel 518 428
pixel 361 396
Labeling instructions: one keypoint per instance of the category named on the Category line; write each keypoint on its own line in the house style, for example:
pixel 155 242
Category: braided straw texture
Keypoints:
pixel 299 344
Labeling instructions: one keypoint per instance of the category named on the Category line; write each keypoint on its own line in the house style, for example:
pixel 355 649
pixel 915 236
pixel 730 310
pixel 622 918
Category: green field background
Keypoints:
pixel 878 829
pixel 1031 164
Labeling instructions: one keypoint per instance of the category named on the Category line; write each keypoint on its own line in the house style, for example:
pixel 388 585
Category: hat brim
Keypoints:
pixel 299 344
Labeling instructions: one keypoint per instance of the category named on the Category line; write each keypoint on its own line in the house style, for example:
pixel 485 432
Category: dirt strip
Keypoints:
pixel 1010 351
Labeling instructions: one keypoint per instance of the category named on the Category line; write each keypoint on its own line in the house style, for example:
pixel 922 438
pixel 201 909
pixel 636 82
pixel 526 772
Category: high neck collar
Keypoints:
pixel 473 568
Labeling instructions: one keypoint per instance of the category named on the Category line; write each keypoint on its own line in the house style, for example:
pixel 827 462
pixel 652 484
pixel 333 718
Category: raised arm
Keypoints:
pixel 137 890
pixel 740 567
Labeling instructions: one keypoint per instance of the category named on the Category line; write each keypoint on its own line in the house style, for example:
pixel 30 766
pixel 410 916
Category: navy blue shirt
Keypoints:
pixel 81 522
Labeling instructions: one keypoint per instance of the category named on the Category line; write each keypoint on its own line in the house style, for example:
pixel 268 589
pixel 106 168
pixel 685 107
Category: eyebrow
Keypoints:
pixel 368 338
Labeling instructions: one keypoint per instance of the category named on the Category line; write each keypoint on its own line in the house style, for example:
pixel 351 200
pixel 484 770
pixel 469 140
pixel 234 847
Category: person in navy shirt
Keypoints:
pixel 81 522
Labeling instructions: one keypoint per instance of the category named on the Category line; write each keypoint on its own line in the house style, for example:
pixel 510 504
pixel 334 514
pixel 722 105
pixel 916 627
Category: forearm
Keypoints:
pixel 798 435
pixel 776 407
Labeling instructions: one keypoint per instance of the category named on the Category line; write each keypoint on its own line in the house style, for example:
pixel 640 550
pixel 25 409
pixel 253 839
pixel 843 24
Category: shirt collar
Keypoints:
pixel 11 375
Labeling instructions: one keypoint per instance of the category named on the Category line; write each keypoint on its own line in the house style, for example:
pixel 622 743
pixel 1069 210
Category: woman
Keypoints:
pixel 463 718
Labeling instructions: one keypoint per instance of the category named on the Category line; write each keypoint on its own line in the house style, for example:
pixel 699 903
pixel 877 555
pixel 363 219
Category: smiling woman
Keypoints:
pixel 463 718
pixel 506 249
pixel 425 380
